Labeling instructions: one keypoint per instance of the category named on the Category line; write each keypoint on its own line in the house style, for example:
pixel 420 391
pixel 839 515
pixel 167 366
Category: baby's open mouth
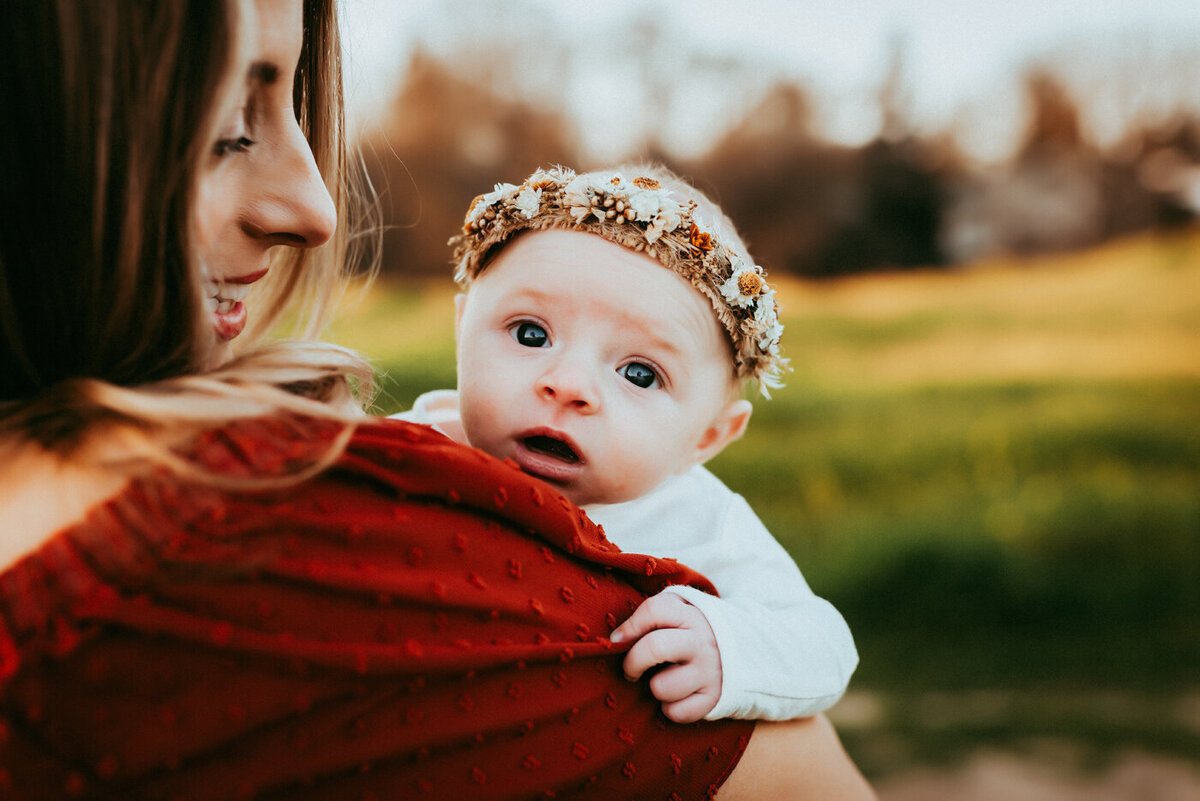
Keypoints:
pixel 551 447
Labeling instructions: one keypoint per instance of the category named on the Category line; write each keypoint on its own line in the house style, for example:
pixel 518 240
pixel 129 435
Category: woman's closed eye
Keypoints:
pixel 640 374
pixel 531 335
pixel 239 144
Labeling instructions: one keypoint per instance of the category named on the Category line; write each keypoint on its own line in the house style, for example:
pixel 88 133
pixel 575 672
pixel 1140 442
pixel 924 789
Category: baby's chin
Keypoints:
pixel 586 495
pixel 576 493
pixel 622 493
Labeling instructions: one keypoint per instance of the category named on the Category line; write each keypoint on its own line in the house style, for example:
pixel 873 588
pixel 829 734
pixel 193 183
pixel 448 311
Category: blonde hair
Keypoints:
pixel 99 291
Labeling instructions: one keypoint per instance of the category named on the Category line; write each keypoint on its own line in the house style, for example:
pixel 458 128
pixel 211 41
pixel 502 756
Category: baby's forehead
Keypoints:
pixel 578 272
pixel 583 263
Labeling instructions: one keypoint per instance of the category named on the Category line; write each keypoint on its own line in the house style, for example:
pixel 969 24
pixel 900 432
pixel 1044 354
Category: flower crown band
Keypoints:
pixel 645 216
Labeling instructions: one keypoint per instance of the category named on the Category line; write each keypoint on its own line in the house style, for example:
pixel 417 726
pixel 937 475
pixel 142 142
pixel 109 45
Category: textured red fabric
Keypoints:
pixel 419 621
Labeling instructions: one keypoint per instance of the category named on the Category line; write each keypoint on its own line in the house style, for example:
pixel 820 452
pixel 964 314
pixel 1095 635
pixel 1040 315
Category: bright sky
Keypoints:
pixel 962 57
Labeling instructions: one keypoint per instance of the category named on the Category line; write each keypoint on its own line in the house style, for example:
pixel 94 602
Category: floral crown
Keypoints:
pixel 645 216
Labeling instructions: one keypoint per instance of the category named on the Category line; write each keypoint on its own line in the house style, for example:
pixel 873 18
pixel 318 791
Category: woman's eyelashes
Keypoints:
pixel 531 335
pixel 236 138
pixel 238 144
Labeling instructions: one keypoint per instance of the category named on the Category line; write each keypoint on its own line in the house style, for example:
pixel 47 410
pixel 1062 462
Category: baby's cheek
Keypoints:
pixel 634 481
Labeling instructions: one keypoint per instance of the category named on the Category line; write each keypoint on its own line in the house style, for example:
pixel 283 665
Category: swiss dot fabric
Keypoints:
pixel 419 621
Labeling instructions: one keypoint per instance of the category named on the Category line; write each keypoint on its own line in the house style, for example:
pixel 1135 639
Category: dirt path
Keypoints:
pixel 995 776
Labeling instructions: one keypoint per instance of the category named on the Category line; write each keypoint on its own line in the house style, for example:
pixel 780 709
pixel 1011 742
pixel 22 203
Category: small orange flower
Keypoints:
pixel 646 183
pixel 701 239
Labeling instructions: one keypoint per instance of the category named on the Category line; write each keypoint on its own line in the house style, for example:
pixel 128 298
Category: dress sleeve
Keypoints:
pixel 785 652
pixel 418 621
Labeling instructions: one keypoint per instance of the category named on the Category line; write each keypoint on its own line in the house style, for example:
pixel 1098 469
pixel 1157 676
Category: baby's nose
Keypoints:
pixel 570 386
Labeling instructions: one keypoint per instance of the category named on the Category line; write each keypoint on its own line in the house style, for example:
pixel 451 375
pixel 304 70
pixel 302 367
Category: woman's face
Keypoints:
pixel 258 186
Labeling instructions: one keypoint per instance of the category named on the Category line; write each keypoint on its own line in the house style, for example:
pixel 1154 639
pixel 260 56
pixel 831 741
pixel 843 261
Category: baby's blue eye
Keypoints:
pixel 531 335
pixel 639 374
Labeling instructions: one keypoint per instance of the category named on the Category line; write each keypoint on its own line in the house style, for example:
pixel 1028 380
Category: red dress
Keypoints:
pixel 419 621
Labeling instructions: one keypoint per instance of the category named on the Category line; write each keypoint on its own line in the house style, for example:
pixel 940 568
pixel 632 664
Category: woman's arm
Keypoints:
pixel 796 760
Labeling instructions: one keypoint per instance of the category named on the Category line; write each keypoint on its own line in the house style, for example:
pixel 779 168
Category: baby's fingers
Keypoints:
pixel 663 611
pixel 685 695
pixel 690 709
pixel 676 682
pixel 657 647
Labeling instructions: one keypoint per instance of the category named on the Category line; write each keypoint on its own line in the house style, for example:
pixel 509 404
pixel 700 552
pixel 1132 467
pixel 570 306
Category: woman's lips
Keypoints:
pixel 249 278
pixel 549 454
pixel 226 306
pixel 230 323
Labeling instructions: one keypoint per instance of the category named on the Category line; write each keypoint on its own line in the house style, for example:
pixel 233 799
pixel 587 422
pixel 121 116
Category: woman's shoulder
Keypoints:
pixel 43 496
pixel 243 488
pixel 284 495
pixel 291 449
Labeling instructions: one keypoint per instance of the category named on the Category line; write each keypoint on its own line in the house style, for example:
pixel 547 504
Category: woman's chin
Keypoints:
pixel 226 328
pixel 221 354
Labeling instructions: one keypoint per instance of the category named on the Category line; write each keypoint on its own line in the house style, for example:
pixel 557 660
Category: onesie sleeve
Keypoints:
pixel 785 652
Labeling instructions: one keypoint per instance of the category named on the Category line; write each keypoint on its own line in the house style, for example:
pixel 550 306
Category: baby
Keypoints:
pixel 608 325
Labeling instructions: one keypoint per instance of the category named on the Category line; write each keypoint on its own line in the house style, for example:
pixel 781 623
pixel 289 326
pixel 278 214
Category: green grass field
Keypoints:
pixel 994 473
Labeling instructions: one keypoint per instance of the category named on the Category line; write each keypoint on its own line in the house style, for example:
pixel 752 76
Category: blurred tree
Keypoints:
pixel 808 207
pixel 779 184
pixel 1054 127
pixel 899 221
pixel 1061 191
pixel 900 179
pixel 1047 198
pixel 493 108
pixel 1153 178
pixel 445 141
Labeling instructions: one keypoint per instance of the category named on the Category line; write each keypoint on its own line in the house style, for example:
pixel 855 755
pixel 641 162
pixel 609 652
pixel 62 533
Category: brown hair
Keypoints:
pixel 113 107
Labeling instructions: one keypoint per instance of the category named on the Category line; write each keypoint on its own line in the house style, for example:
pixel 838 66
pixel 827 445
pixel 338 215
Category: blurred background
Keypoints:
pixel 982 218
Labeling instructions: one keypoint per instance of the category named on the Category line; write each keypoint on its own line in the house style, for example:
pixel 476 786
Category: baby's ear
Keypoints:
pixel 727 427
pixel 460 304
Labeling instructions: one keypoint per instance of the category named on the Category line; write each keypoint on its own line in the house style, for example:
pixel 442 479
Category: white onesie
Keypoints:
pixel 785 653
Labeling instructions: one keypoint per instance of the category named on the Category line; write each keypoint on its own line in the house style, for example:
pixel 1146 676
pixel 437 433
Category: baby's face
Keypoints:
pixel 592 366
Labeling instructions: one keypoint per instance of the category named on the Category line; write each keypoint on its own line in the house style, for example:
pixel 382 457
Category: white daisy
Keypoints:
pixel 744 286
pixel 667 219
pixel 528 201
pixel 769 338
pixel 656 207
pixel 577 196
pixel 765 313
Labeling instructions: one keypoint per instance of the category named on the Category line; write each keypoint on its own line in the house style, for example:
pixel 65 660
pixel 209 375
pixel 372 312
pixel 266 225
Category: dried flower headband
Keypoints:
pixel 643 215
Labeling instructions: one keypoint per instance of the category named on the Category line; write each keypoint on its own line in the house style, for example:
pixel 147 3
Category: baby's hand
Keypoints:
pixel 669 629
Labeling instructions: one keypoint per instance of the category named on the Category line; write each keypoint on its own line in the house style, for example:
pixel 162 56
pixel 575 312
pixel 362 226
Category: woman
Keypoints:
pixel 217 580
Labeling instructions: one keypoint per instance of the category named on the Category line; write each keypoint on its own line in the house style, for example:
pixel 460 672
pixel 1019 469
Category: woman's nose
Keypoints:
pixel 570 386
pixel 294 207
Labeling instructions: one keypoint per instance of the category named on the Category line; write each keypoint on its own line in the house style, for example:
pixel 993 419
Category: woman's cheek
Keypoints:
pixel 214 212
pixel 203 214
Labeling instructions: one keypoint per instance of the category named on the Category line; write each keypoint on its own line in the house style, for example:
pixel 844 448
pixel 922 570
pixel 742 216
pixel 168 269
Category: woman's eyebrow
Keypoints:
pixel 264 72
